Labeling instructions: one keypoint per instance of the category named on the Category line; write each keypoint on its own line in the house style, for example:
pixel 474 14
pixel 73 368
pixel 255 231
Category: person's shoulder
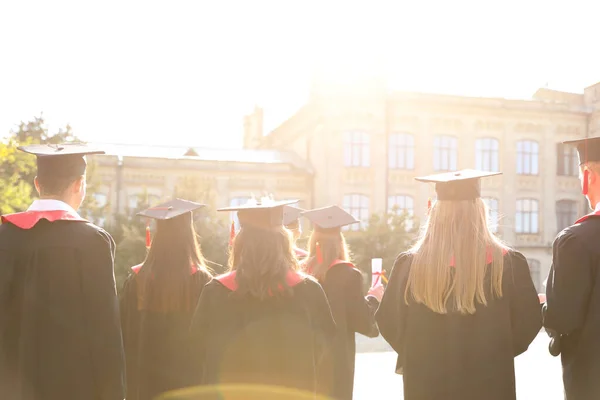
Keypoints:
pixel 93 233
pixel 9 236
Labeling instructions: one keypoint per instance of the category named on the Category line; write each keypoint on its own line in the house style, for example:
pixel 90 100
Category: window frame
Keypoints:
pixel 401 151
pixel 528 159
pixel 525 216
pixel 357 148
pixel 445 146
pixel 358 205
pixel 487 154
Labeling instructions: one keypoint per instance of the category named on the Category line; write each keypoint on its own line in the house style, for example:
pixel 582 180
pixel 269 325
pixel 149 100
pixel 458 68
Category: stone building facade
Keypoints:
pixel 367 145
pixel 361 147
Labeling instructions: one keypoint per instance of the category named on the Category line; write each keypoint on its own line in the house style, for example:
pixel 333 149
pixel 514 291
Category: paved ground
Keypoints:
pixel 538 374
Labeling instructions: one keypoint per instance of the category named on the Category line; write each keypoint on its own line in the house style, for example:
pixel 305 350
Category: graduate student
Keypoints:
pixel 459 305
pixel 291 220
pixel 60 332
pixel 263 325
pixel 572 309
pixel 157 303
pixel 329 262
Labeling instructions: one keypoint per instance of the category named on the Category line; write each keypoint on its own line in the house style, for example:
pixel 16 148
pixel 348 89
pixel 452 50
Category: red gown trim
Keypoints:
pixel 228 280
pixel 136 269
pixel 28 219
pixel 586 217
pixel 489 257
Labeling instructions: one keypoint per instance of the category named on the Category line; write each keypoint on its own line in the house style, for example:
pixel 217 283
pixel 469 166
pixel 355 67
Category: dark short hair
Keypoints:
pixel 55 185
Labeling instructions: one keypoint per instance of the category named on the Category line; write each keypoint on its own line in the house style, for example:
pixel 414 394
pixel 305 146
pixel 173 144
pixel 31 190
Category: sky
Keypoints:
pixel 185 72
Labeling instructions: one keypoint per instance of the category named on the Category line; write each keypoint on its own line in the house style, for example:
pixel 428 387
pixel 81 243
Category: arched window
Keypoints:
pixel 234 202
pixel 356 149
pixel 493 213
pixel 401 151
pixel 358 206
pixel 536 273
pixel 566 213
pixel 445 153
pixel 567 161
pixel 486 154
pixel 527 218
pixel 527 157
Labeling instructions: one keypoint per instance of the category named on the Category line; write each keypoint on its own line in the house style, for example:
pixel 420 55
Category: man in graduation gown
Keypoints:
pixel 60 333
pixel 572 309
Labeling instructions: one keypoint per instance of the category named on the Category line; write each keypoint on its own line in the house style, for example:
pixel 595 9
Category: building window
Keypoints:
pixel 486 154
pixel 358 206
pixel 493 213
pixel 445 149
pixel 356 149
pixel 526 220
pixel 133 202
pixel 567 161
pixel 401 151
pixel 535 270
pixel 566 213
pixel 527 157
pixel 235 202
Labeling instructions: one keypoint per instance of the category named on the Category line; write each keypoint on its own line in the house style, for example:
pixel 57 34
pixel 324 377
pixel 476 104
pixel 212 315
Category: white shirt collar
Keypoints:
pixel 51 205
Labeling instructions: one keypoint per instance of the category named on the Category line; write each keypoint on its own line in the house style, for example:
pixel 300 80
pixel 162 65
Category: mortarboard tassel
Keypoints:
pixel 148 238
pixel 319 253
pixel 232 233
pixel 586 174
pixel 428 206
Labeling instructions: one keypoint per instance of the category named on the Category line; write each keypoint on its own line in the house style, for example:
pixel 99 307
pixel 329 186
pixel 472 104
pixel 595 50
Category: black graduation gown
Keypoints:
pixel 157 344
pixel 352 312
pixel 573 306
pixel 455 356
pixel 60 332
pixel 277 342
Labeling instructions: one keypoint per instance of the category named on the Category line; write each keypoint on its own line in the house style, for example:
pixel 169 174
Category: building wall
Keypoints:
pixel 212 182
pixel 467 119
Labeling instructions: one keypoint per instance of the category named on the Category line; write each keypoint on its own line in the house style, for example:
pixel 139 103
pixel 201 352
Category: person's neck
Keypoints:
pixel 58 198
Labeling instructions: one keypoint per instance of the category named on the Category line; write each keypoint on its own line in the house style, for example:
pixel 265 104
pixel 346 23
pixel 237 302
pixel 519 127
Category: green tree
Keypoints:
pixel 15 193
pixel 385 237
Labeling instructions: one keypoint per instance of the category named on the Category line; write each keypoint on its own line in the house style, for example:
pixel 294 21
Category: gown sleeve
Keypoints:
pixel 362 309
pixel 199 326
pixel 103 324
pixel 392 312
pixel 525 315
pixel 569 285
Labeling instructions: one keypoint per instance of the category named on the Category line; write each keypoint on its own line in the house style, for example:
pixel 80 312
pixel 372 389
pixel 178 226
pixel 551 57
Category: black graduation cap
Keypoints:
pixel 331 218
pixel 65 160
pixel 260 213
pixel 587 148
pixel 170 209
pixel 459 185
pixel 291 215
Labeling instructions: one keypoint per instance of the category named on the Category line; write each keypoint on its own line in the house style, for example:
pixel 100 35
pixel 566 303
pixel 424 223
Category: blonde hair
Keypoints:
pixel 459 230
pixel 262 259
pixel 333 247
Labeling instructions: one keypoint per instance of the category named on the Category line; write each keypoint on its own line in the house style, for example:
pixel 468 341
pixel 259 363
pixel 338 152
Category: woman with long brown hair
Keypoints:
pixel 460 305
pixel 263 323
pixel 157 303
pixel 329 261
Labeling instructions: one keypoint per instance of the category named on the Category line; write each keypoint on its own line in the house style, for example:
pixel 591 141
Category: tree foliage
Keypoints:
pixel 385 236
pixel 15 193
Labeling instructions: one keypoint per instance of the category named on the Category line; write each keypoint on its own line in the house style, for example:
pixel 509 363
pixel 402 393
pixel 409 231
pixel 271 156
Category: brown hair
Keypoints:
pixel 165 283
pixel 456 229
pixel 262 259
pixel 332 246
